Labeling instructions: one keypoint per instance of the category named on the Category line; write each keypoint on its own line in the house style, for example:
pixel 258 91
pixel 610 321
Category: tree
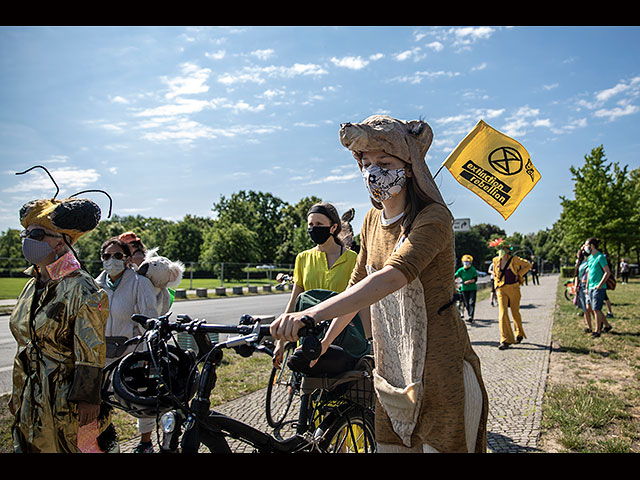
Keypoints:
pixel 472 243
pixel 600 207
pixel 259 212
pixel 184 239
pixel 292 230
pixel 230 243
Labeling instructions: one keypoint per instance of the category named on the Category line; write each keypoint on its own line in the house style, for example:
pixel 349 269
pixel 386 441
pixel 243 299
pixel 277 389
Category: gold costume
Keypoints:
pixel 61 352
pixel 508 295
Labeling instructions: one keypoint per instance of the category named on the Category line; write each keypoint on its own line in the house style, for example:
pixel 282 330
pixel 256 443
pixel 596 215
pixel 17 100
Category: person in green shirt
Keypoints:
pixel 469 287
pixel 598 272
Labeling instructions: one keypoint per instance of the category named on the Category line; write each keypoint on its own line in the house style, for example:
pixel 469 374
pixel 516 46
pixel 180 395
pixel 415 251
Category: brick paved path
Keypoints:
pixel 515 378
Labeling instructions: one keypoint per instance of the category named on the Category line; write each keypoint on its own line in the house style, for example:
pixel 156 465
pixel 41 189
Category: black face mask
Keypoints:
pixel 319 234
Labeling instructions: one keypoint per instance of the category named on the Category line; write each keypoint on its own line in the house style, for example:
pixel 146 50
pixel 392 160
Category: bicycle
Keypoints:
pixel 166 381
pixel 569 290
pixel 284 386
pixel 459 298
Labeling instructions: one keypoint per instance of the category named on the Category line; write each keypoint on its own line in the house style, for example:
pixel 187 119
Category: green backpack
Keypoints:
pixel 352 339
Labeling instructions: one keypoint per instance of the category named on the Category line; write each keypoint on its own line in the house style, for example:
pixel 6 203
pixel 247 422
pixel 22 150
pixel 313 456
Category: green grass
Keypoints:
pixel 597 412
pixel 10 287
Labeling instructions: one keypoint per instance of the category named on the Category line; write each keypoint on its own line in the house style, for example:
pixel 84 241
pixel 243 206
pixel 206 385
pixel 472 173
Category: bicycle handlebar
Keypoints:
pixel 249 329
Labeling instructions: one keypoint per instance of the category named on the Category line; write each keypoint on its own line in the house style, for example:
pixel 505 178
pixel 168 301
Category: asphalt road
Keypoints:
pixel 225 311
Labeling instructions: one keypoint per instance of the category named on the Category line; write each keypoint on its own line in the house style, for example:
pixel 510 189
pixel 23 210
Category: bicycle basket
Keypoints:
pixel 148 386
pixel 355 385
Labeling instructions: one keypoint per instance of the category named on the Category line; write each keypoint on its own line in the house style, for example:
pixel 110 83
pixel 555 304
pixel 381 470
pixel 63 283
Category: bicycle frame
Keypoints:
pixel 186 427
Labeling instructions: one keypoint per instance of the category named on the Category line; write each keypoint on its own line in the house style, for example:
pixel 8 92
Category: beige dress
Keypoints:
pixel 420 354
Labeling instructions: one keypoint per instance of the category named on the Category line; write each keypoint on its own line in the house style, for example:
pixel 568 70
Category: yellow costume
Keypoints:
pixel 507 286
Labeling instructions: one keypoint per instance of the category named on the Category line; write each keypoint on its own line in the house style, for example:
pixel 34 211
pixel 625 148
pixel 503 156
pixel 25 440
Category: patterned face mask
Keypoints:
pixel 383 183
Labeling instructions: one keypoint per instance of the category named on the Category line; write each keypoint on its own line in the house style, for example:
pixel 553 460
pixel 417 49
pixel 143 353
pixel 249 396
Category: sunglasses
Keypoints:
pixel 117 256
pixel 37 234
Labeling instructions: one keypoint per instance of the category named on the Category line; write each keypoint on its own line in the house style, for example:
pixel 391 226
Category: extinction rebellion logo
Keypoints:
pixel 486 181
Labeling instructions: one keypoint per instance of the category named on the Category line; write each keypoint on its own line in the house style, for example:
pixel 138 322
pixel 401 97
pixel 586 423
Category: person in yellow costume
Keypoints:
pixel 509 272
pixel 326 266
pixel 58 324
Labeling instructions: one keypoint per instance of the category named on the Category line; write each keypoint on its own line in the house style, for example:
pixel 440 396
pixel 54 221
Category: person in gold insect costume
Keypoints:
pixel 59 326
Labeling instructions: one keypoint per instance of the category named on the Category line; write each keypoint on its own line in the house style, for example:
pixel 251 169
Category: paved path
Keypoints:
pixel 515 378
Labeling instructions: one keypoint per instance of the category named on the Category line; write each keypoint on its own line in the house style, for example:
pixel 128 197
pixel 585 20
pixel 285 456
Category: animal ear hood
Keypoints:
pixel 409 141
pixel 72 216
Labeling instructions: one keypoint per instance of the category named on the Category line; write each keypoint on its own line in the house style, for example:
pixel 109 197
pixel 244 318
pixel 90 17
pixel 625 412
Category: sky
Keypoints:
pixel 169 119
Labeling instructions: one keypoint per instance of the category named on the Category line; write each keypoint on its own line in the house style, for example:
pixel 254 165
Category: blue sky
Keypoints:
pixel 168 119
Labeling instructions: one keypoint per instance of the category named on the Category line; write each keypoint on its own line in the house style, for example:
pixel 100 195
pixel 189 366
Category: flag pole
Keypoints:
pixel 438 170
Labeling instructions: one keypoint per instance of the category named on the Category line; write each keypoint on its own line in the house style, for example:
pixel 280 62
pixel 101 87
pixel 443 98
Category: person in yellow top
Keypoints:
pixel 508 275
pixel 327 266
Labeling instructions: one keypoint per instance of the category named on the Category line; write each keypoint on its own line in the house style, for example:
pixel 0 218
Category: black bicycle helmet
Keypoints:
pixel 146 385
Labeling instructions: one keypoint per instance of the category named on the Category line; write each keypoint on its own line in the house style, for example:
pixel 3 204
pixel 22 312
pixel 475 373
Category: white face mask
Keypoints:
pixel 113 266
pixel 466 264
pixel 383 183
pixel 587 249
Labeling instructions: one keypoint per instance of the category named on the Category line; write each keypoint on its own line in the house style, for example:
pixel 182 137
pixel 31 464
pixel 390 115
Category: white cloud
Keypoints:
pixel 414 54
pixel 263 54
pixel 219 55
pixel 352 63
pixel 192 81
pixel 180 107
pixel 627 90
pixel 67 178
pixel 435 46
pixel 119 99
pixel 616 112
pixel 417 77
pixel 258 74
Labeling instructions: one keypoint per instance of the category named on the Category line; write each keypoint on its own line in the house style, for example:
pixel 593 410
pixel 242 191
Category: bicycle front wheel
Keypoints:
pixel 350 432
pixel 283 385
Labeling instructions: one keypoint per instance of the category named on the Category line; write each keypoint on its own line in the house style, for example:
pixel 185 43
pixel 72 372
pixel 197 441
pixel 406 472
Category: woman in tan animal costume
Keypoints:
pixel 431 397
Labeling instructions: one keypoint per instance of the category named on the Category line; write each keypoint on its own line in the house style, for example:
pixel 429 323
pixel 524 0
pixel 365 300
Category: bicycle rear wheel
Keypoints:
pixel 283 385
pixel 350 432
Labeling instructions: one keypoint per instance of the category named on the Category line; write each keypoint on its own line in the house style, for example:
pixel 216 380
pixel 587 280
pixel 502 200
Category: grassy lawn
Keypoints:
pixel 592 402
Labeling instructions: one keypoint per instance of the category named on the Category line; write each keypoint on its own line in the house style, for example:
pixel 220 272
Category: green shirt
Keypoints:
pixel 467 274
pixel 596 264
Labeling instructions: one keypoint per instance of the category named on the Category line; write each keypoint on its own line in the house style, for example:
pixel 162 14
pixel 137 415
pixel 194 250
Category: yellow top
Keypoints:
pixel 311 270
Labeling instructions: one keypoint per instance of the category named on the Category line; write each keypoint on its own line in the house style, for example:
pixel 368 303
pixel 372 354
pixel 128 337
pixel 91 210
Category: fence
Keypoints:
pixel 219 273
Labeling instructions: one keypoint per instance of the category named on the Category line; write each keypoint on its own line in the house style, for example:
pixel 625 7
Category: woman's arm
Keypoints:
pixel 343 306
pixel 291 306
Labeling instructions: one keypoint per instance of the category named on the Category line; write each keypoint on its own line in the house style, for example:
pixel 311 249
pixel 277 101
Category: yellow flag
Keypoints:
pixel 493 166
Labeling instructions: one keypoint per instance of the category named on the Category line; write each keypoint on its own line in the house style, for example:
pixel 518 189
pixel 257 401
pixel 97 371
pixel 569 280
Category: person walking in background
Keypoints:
pixel 624 271
pixel 508 271
pixel 597 274
pixel 534 271
pixel 428 380
pixel 128 293
pixel 493 287
pixel 580 282
pixel 469 288
pixel 59 325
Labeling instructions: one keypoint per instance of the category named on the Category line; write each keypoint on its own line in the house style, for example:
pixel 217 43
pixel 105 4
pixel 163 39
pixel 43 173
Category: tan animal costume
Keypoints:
pixel 427 378
pixel 59 329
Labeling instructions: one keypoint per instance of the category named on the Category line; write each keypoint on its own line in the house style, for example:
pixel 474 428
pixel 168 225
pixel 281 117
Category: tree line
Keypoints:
pixel 250 227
